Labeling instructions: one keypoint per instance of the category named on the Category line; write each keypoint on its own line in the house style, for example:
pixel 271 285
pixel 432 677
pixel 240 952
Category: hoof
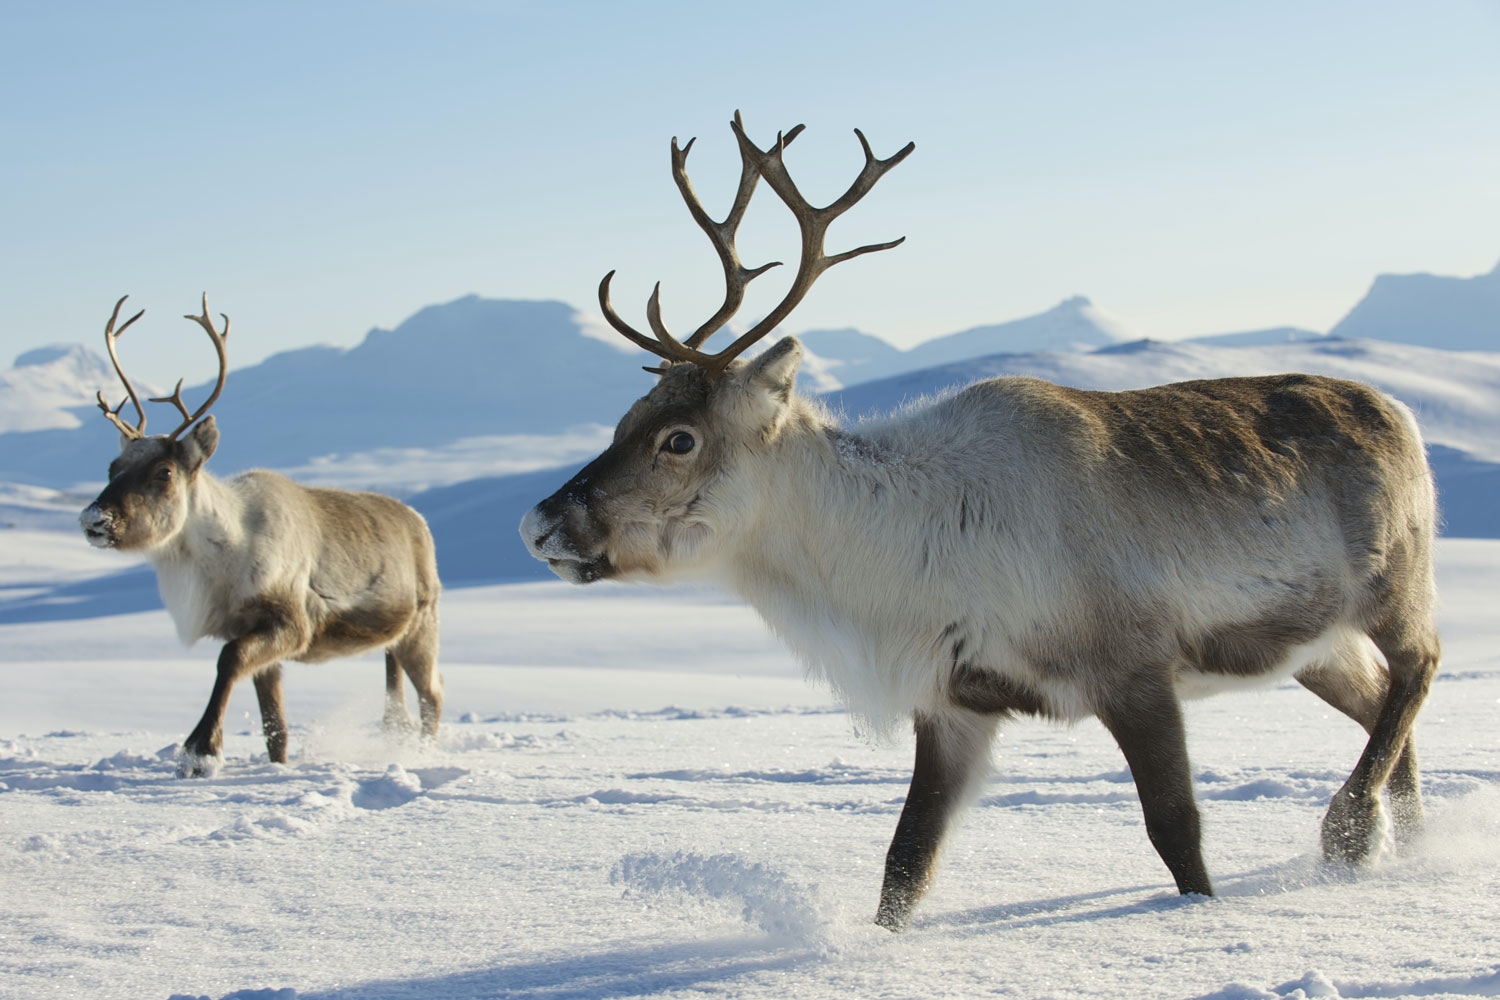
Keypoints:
pixel 894 918
pixel 195 765
pixel 1355 832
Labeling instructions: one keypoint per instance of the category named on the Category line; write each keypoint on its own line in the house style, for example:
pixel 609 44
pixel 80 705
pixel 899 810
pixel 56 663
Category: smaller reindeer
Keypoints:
pixel 277 570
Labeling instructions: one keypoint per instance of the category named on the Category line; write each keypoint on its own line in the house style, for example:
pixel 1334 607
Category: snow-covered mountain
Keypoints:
pixel 46 388
pixel 469 368
pixel 851 357
pixel 1460 314
pixel 1075 324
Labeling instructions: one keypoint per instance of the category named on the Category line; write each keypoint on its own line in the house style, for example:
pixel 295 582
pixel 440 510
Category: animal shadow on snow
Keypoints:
pixel 1296 873
pixel 619 972
pixel 1056 910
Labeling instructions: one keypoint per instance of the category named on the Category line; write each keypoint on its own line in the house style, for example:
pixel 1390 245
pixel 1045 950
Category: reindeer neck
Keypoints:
pixel 213 523
pixel 842 507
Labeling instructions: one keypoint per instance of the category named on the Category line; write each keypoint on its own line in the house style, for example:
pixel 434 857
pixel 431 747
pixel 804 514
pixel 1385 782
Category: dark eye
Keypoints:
pixel 164 474
pixel 679 443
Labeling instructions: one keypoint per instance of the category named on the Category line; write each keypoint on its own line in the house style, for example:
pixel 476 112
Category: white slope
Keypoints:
pixel 1075 324
pixel 1460 314
pixel 46 386
pixel 1259 338
pixel 841 358
pixel 634 796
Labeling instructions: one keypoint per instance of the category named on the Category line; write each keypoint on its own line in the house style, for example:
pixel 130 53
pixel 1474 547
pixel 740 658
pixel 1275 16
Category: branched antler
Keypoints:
pixel 110 336
pixel 813 223
pixel 219 345
pixel 139 430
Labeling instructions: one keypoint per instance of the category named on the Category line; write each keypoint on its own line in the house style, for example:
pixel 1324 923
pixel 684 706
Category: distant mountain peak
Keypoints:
pixel 54 352
pixel 1456 314
pixel 48 383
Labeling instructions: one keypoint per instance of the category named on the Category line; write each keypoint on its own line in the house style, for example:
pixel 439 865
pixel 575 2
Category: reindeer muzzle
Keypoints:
pixel 558 533
pixel 100 526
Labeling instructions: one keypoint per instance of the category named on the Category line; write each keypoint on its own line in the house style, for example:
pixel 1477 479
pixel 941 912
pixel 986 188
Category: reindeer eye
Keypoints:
pixel 679 443
pixel 164 474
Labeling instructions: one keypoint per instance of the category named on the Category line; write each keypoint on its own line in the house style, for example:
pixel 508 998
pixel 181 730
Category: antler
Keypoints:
pixel 219 345
pixel 110 336
pixel 813 223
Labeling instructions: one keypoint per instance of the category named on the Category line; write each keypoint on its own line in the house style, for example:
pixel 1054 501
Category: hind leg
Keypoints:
pixel 395 719
pixel 1353 682
pixel 416 653
pixel 272 714
pixel 1411 650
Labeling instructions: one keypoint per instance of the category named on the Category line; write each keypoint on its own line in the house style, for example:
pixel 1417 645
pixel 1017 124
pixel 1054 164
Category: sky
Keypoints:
pixel 322 168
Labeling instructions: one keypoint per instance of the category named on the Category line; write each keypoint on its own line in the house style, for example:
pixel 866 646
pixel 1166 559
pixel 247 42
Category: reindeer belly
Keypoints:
pixel 352 631
pixel 1274 662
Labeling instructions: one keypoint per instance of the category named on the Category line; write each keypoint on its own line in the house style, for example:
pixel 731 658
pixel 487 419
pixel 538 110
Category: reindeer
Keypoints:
pixel 1022 548
pixel 277 570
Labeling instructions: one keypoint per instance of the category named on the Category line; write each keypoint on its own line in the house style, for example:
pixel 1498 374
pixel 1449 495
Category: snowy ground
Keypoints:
pixel 635 795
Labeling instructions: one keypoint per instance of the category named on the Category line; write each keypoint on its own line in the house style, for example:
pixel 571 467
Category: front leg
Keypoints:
pixel 952 754
pixel 278 636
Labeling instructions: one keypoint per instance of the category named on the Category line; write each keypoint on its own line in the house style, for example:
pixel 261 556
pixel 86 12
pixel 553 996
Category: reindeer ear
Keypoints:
pixel 776 369
pixel 200 443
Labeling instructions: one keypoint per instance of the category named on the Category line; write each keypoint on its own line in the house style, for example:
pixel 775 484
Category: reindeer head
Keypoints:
pixel 680 481
pixel 146 502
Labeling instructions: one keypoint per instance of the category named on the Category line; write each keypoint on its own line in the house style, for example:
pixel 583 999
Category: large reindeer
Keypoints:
pixel 277 570
pixel 1021 548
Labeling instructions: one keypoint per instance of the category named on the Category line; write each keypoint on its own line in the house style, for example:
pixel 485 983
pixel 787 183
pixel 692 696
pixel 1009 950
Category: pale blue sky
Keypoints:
pixel 321 168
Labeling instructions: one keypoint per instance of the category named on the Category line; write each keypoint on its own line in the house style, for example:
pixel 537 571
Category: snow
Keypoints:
pixel 634 794
pixel 47 386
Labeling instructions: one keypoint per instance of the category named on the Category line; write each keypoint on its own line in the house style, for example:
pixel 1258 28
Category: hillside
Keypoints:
pixel 53 388
pixel 471 367
pixel 1459 314
pixel 468 369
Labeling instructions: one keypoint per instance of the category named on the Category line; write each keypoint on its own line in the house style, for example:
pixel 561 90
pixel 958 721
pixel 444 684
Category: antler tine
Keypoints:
pixel 722 234
pixel 110 336
pixel 221 347
pixel 629 332
pixel 813 222
pixel 677 350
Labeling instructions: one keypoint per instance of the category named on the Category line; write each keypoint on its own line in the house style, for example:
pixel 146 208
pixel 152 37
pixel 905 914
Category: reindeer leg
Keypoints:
pixel 277 637
pixel 272 717
pixel 1355 684
pixel 952 751
pixel 417 655
pixel 1352 823
pixel 1146 721
pixel 395 720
